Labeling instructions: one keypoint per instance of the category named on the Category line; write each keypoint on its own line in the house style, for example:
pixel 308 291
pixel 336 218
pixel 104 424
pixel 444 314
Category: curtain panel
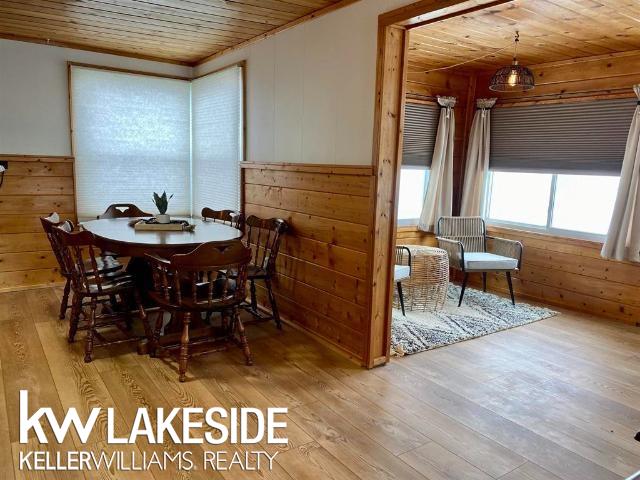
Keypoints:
pixel 438 200
pixel 477 164
pixel 623 237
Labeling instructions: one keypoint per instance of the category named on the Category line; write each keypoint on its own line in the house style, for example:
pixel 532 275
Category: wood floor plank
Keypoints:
pixel 554 400
pixel 438 463
pixel 524 442
pixel 529 471
pixel 365 457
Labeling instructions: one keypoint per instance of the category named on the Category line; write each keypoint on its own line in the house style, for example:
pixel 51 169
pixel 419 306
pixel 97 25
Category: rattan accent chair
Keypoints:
pixel 471 250
pixel 228 217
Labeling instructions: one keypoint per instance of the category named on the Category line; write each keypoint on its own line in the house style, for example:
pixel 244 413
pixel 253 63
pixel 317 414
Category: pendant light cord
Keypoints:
pixel 478 58
pixel 515 47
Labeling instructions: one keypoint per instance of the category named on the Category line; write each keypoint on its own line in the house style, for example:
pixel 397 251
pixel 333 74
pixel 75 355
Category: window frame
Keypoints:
pixel 411 222
pixel 548 228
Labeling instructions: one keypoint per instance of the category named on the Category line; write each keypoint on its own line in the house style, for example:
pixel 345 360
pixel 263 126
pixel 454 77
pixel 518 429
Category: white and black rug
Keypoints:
pixel 480 314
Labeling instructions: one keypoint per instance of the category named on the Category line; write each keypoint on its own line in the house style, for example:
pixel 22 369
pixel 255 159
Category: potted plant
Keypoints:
pixel 162 203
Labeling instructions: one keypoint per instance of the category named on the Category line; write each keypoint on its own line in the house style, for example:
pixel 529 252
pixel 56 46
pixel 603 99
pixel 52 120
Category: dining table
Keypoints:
pixel 117 235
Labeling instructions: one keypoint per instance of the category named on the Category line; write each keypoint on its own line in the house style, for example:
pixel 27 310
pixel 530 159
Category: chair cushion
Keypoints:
pixel 400 272
pixel 482 261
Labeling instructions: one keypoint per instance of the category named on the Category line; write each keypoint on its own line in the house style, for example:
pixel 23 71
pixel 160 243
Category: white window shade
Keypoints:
pixel 131 136
pixel 217 147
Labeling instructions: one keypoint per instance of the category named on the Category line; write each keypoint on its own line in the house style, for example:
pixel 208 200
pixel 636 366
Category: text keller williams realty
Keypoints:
pixel 157 431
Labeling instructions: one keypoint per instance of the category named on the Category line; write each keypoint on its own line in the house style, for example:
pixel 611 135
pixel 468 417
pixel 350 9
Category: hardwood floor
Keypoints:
pixel 556 399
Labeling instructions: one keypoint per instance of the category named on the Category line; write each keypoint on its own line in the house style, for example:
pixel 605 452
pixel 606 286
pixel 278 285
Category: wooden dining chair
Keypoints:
pixel 188 285
pixel 81 257
pixel 263 237
pixel 228 217
pixel 123 210
pixel 105 264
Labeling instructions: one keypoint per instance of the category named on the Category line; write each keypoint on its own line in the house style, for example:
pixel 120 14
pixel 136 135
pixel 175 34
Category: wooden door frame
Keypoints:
pixel 393 36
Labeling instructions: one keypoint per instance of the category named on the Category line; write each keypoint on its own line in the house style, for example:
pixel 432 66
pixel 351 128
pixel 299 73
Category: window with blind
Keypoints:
pixel 555 167
pixel 136 134
pixel 419 137
pixel 217 140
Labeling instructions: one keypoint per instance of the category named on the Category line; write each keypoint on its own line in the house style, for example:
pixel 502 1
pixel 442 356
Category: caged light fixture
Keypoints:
pixel 513 77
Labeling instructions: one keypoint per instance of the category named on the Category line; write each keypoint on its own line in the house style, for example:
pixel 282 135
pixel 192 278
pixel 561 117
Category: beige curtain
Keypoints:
pixel 623 238
pixel 477 164
pixel 438 200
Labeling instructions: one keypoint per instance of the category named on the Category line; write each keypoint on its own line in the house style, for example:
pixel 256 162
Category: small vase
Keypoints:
pixel 163 218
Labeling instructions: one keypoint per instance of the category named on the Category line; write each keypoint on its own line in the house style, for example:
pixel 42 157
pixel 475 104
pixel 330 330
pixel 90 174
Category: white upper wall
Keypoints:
pixel 311 88
pixel 34 101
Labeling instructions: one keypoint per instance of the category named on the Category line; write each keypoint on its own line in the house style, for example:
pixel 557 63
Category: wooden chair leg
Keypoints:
pixel 513 298
pixel 143 316
pixel 464 286
pixel 65 298
pixel 76 303
pixel 184 346
pixel 254 300
pixel 243 338
pixel 484 281
pixel 88 343
pixel 399 286
pixel 272 301
pixel 156 333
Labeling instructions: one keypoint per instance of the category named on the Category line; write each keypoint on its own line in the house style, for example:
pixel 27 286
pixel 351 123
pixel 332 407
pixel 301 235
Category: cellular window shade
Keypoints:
pixel 217 140
pixel 131 136
pixel 581 137
pixel 420 129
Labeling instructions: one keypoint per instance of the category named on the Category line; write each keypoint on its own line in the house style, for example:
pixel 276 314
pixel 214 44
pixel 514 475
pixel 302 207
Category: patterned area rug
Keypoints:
pixel 480 314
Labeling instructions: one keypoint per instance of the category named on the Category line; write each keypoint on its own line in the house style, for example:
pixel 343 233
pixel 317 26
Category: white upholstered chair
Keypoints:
pixel 471 250
pixel 402 271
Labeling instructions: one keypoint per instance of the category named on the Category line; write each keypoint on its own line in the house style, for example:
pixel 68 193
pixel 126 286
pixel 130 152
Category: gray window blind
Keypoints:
pixel 420 128
pixel 581 137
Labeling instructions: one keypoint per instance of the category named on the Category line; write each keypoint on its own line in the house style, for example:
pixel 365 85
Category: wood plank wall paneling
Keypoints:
pixel 322 279
pixel 411 235
pixel 33 186
pixel 589 77
pixel 570 273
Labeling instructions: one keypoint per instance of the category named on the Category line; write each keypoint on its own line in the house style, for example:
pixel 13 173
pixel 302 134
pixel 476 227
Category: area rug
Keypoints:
pixel 480 314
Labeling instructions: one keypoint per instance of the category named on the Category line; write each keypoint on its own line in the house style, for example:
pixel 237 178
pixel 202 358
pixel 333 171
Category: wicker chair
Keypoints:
pixel 228 217
pixel 402 271
pixel 465 240
pixel 197 282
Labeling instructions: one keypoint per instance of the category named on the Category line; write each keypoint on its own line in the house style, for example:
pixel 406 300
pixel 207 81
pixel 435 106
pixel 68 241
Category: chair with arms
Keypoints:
pixel 105 264
pixel 81 259
pixel 187 285
pixel 228 217
pixel 402 271
pixel 471 250
pixel 263 237
pixel 123 210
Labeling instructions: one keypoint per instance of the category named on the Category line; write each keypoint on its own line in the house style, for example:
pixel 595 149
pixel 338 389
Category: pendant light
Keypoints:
pixel 514 77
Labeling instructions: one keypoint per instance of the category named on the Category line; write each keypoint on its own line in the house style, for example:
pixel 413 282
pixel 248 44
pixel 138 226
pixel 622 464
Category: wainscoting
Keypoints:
pixel 570 273
pixel 33 186
pixel 322 283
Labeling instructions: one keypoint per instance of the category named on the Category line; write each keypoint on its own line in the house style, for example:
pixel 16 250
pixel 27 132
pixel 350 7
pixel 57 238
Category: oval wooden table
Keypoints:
pixel 115 235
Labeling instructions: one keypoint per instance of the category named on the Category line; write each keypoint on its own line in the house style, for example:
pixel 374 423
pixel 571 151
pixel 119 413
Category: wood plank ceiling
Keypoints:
pixel 179 31
pixel 550 30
